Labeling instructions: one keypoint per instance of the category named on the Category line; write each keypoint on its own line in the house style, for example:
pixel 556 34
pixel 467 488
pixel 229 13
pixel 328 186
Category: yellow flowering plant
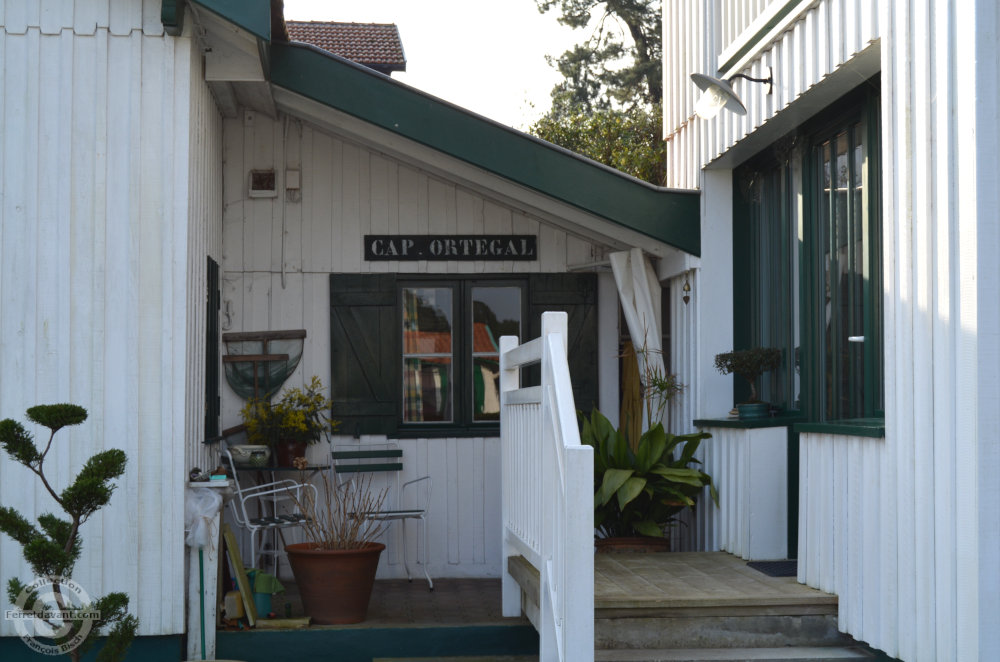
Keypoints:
pixel 300 415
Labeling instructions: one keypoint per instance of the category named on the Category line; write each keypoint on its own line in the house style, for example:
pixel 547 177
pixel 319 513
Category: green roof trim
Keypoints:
pixel 254 16
pixel 668 215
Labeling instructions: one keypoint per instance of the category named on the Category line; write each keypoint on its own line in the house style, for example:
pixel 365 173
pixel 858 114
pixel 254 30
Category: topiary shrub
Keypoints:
pixel 53 546
pixel 749 364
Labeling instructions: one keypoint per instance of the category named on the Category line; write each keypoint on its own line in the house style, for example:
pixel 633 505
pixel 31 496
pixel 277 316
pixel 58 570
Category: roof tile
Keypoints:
pixel 375 45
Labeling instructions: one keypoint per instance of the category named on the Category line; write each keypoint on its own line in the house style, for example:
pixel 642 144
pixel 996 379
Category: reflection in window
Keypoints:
pixel 496 311
pixel 427 354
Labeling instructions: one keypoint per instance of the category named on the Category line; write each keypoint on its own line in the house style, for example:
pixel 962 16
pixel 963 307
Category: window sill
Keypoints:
pixel 786 420
pixel 857 427
pixel 486 432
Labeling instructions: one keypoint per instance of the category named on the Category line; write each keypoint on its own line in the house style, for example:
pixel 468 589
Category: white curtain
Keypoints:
pixel 639 292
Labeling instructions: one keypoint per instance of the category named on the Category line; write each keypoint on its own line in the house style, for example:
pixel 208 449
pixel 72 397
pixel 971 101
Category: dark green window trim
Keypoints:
pixel 763 305
pixel 366 345
pixel 737 424
pixel 856 427
pixel 462 334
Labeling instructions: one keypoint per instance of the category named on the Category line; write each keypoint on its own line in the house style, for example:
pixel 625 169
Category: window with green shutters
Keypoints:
pixel 415 355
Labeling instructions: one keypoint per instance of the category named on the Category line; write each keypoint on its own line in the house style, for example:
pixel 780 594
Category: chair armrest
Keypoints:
pixel 427 491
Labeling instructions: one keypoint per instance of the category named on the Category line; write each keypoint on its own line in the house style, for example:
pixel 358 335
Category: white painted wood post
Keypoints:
pixel 510 379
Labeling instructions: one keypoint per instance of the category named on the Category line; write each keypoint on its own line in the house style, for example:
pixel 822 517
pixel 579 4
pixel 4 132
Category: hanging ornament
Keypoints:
pixel 687 289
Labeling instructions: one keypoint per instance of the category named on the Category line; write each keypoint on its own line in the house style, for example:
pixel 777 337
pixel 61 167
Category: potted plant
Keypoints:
pixel 53 547
pixel 637 493
pixel 749 364
pixel 297 419
pixel 335 566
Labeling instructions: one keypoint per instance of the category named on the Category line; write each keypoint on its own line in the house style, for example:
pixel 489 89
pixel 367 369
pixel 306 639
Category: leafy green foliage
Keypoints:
pixel 18 442
pixel 618 65
pixel 56 417
pixel 639 492
pixel 52 548
pixel 92 488
pixel 626 140
pixel 749 364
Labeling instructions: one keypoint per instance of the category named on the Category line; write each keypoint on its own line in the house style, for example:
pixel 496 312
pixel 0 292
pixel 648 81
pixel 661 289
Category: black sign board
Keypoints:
pixel 451 247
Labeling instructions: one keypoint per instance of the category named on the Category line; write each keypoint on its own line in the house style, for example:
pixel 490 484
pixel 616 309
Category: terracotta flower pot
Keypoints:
pixel 335 584
pixel 286 451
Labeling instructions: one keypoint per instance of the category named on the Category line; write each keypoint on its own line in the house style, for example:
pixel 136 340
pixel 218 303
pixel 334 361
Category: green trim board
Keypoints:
pixel 254 16
pixel 735 423
pixel 667 215
pixel 856 427
pixel 760 34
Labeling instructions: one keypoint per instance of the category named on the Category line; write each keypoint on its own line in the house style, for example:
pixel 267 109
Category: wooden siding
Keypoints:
pixel 277 257
pixel 93 277
pixel 904 529
pixel 801 57
pixel 204 214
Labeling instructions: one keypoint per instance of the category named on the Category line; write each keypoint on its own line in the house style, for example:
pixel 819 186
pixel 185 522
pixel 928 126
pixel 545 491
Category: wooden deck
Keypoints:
pixel 696 580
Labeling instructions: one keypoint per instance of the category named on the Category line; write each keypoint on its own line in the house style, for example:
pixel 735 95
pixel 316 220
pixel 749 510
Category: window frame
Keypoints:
pixel 462 423
pixel 798 170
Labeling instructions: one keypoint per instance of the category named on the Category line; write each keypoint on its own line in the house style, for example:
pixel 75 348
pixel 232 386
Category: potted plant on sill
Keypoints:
pixel 637 493
pixel 335 567
pixel 749 364
pixel 297 419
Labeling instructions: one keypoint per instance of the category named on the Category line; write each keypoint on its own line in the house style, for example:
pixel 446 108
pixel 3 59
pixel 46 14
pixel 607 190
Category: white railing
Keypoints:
pixel 547 494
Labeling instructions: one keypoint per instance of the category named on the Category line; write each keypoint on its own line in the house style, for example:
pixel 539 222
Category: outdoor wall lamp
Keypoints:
pixel 718 93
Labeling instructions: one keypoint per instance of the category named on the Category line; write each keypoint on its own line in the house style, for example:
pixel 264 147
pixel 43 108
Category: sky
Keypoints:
pixel 485 55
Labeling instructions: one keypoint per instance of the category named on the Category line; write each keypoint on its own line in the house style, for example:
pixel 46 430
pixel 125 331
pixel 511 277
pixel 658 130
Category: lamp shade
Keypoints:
pixel 716 95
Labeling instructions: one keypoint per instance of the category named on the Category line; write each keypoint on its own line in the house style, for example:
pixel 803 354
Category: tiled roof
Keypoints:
pixel 375 45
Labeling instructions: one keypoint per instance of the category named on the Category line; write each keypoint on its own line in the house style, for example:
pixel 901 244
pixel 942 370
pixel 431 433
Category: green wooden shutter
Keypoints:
pixel 364 353
pixel 575 294
pixel 213 299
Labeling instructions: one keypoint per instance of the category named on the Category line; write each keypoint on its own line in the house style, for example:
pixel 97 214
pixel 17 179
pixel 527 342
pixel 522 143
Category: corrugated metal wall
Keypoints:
pixel 349 190
pixel 93 277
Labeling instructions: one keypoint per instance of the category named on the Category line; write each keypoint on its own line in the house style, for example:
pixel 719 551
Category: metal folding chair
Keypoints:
pixel 266 507
pixel 413 496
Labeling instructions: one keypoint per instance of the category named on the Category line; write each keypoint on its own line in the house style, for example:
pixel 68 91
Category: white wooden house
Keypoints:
pixel 850 218
pixel 131 132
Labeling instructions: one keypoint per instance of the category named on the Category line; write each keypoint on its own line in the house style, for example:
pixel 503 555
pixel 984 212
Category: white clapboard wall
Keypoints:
pixel 279 252
pixel 108 207
pixel 903 528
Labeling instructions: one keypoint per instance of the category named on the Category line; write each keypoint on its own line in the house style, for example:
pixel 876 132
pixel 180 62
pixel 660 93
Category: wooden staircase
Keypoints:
pixel 681 607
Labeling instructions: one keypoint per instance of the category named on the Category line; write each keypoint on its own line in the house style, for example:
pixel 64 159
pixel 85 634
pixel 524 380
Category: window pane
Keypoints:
pixel 496 311
pixel 427 354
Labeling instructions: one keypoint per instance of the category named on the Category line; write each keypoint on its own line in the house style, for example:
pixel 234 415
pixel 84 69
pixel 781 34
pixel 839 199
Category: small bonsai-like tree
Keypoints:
pixel 53 546
pixel 749 364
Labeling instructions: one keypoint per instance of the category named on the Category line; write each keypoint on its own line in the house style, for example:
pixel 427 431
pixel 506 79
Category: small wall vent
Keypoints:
pixel 263 184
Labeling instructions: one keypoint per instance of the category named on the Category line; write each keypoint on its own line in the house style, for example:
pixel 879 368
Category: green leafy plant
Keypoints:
pixel 53 547
pixel 300 415
pixel 639 492
pixel 749 364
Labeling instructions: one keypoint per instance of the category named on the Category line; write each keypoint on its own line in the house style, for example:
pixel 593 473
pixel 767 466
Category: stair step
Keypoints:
pixel 474 658
pixel 707 630
pixel 785 654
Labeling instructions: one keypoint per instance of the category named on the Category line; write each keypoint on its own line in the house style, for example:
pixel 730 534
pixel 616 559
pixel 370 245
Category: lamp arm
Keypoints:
pixel 769 80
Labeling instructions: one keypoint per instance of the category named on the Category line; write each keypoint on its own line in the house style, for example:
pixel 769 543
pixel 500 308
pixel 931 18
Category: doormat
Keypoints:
pixel 776 568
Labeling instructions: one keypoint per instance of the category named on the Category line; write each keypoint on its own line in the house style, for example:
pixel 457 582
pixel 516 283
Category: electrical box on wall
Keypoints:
pixel 263 184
